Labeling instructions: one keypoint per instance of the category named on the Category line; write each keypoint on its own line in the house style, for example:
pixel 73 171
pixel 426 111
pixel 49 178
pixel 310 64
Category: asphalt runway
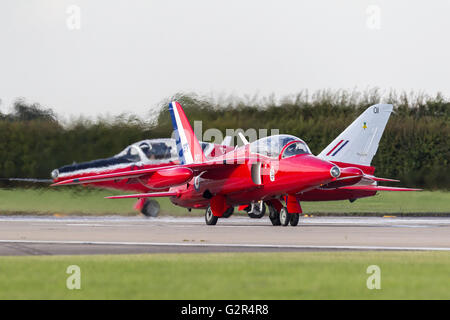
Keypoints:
pixel 33 235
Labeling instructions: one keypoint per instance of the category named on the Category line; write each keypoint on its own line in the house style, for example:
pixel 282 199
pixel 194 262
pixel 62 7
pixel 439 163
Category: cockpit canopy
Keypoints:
pixel 272 146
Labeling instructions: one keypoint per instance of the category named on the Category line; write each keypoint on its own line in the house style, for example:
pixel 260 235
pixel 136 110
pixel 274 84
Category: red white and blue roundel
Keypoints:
pixel 338 147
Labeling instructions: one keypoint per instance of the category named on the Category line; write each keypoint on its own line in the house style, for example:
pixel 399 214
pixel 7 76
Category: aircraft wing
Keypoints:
pixel 373 178
pixel 377 188
pixel 145 195
pixel 195 167
pixel 34 180
pixel 110 176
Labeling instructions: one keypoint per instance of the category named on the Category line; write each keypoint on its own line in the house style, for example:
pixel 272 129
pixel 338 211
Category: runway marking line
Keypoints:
pixel 235 245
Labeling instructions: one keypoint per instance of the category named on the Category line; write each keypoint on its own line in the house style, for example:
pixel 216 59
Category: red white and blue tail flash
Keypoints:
pixel 188 147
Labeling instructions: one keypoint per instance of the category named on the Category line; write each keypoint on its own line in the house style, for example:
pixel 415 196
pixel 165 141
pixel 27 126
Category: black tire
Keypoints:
pixel 228 213
pixel 150 208
pixel 210 219
pixel 274 216
pixel 257 210
pixel 285 217
pixel 295 217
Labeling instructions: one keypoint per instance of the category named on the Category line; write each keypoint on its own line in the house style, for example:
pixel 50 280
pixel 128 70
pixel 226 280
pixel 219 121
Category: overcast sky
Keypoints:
pixel 107 56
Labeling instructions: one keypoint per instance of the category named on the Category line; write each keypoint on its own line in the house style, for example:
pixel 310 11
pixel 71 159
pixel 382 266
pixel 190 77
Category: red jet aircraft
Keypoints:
pixel 278 170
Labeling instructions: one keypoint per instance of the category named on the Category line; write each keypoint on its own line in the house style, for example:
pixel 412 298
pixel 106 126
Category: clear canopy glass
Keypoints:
pixel 273 145
pixel 295 148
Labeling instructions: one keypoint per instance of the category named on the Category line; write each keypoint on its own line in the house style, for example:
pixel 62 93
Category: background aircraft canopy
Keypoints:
pixel 151 150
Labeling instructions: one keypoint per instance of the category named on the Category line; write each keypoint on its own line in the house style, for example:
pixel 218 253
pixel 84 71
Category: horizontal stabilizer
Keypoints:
pixel 145 195
pixel 380 179
pixel 377 188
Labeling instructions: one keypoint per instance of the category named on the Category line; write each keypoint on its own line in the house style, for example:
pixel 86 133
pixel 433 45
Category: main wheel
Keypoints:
pixel 274 216
pixel 295 217
pixel 150 208
pixel 210 219
pixel 257 210
pixel 228 212
pixel 285 217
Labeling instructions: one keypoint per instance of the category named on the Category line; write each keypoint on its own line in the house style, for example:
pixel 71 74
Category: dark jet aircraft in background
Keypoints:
pixel 144 154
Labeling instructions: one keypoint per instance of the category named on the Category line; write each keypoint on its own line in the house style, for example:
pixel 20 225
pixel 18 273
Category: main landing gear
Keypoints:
pixel 150 208
pixel 211 219
pixel 283 218
pixel 278 218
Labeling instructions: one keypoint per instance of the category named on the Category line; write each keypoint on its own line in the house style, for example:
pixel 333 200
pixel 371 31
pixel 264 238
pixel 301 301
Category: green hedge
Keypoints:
pixel 415 146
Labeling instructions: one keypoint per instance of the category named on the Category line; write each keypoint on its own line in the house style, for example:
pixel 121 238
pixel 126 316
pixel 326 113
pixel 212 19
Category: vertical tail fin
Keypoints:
pixel 358 143
pixel 188 147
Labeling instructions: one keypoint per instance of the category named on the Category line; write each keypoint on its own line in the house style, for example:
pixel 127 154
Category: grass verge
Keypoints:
pixel 82 201
pixel 301 275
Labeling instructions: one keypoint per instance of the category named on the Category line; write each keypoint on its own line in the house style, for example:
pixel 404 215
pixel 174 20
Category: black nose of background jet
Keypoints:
pixel 91 165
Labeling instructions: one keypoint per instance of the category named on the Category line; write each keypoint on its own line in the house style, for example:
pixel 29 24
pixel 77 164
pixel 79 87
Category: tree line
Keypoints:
pixel 415 147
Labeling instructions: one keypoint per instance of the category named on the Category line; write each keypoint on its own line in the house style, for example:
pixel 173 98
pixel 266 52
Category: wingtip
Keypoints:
pixel 111 197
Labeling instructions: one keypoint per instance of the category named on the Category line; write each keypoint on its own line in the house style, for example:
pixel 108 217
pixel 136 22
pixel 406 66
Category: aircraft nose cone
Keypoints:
pixel 317 170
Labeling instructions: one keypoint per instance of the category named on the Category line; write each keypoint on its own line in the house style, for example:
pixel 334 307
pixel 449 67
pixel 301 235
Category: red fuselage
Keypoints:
pixel 264 179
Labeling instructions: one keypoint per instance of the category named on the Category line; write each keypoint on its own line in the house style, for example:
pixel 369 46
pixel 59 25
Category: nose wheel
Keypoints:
pixel 256 210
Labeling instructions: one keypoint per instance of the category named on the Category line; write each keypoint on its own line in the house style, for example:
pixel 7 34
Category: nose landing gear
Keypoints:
pixel 256 210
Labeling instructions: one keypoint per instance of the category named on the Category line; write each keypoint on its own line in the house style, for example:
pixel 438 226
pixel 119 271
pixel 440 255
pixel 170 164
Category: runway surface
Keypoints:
pixel 22 235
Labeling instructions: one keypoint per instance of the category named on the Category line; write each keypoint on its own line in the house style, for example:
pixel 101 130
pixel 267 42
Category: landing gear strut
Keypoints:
pixel 150 208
